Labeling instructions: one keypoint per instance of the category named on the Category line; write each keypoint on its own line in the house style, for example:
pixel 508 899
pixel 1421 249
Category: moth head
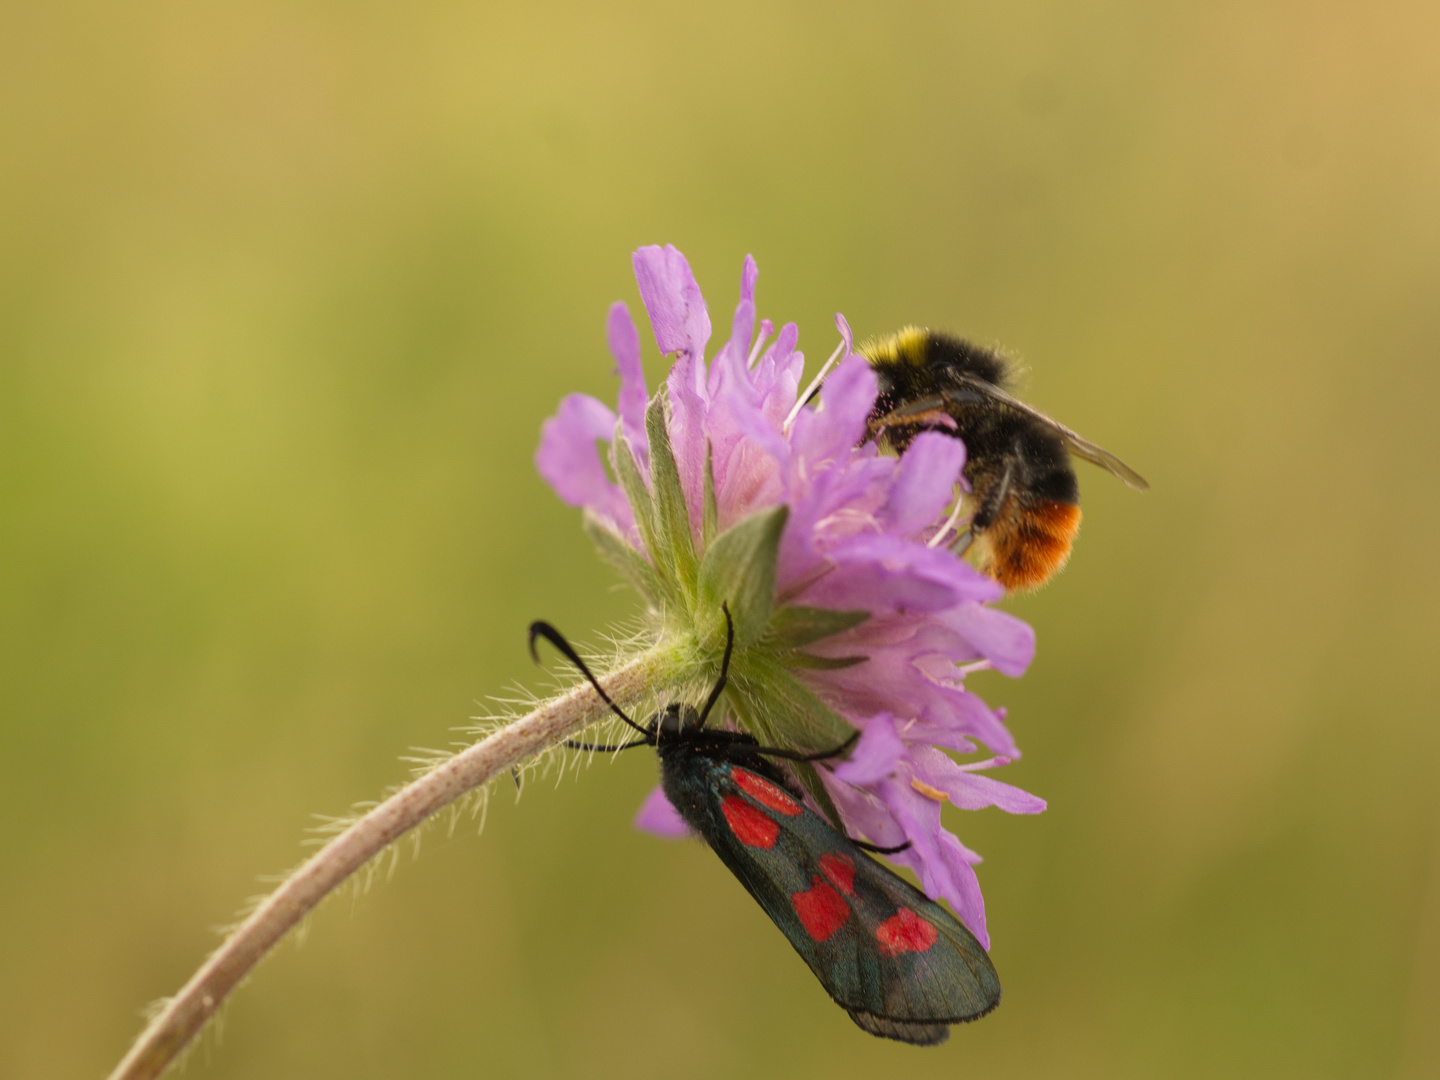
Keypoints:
pixel 676 719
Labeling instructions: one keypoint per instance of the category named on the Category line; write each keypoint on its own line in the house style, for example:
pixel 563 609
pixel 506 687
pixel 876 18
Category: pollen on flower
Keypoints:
pixel 928 790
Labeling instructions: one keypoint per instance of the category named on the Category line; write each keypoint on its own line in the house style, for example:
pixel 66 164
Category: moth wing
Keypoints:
pixel 1076 443
pixel 900 964
pixel 931 969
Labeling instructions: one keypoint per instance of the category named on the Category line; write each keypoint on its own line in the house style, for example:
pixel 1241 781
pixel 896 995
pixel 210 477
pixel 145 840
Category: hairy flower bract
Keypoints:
pixel 718 490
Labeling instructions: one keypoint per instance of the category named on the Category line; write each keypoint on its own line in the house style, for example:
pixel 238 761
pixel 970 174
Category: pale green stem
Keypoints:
pixel 187 1012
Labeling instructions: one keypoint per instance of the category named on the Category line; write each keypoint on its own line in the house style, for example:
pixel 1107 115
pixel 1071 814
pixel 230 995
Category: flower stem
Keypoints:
pixel 187 1012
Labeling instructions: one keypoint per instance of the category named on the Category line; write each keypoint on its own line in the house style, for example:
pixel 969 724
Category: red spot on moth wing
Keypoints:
pixel 750 826
pixel 905 932
pixel 763 791
pixel 840 869
pixel 821 910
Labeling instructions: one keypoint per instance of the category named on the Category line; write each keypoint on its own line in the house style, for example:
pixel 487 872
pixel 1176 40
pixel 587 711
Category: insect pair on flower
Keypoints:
pixel 757 523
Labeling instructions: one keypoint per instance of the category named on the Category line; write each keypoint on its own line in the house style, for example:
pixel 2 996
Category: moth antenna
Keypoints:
pixel 796 755
pixel 555 638
pixel 877 849
pixel 724 665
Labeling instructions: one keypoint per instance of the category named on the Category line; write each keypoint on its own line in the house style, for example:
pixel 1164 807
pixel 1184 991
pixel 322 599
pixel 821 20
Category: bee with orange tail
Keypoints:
pixel 1023 505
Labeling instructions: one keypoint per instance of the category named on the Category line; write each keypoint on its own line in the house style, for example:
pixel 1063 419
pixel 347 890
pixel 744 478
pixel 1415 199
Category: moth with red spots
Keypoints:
pixel 900 964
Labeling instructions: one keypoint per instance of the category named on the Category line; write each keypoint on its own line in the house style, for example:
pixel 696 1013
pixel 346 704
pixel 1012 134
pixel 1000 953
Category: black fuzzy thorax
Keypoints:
pixel 914 363
pixel 918 364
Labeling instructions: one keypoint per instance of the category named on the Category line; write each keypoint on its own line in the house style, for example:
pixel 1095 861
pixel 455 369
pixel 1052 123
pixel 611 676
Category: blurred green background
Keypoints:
pixel 285 293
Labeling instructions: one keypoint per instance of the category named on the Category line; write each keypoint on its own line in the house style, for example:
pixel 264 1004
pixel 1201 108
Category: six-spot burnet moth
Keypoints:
pixel 900 964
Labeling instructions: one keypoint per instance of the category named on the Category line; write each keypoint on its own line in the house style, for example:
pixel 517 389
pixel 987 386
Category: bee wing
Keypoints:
pixel 1097 455
pixel 1076 443
pixel 933 408
pixel 901 965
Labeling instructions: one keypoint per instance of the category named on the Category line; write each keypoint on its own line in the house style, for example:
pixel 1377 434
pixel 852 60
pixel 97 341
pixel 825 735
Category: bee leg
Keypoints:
pixel 913 417
pixel 991 502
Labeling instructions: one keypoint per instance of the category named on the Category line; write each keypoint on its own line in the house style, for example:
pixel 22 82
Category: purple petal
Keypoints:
pixel 659 818
pixel 937 858
pixel 966 714
pixel 1004 640
pixel 875 755
pixel 964 894
pixel 886 573
pixel 966 788
pixel 746 480
pixel 839 424
pixel 845 336
pixel 864 813
pixel 749 274
pixel 921 730
pixel 946 873
pixel 569 459
pixel 779 357
pixel 728 371
pixel 780 352
pixel 938 713
pixel 729 363
pixel 827 506
pixel 925 483
pixel 673 301
pixel 746 477
pixel 624 342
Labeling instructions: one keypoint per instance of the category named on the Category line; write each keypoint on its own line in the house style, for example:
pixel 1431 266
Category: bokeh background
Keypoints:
pixel 285 293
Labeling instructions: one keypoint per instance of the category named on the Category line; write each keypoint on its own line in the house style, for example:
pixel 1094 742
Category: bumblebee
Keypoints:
pixel 1023 505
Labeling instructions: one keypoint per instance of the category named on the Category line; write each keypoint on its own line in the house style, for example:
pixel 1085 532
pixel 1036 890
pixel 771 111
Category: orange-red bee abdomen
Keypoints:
pixel 1027 544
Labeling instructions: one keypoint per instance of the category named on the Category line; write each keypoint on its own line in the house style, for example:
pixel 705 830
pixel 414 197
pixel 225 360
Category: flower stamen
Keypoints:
pixel 928 791
pixel 950 523
pixel 814 385
pixel 760 340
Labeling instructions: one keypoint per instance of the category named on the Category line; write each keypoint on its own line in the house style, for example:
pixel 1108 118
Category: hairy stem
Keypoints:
pixel 188 1011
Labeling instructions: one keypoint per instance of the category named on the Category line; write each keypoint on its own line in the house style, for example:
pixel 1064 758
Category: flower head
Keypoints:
pixel 729 488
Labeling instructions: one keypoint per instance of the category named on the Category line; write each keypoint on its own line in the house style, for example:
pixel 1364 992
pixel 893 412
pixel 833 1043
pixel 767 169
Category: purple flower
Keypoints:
pixel 846 618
